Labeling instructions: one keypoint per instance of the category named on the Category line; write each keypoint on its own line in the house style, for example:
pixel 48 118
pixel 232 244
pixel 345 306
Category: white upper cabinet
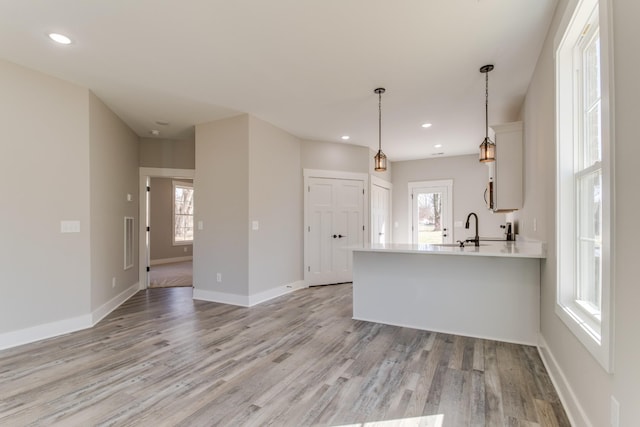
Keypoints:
pixel 505 188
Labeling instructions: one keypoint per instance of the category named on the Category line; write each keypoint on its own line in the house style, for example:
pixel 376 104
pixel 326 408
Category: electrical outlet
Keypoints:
pixel 535 224
pixel 113 282
pixel 219 277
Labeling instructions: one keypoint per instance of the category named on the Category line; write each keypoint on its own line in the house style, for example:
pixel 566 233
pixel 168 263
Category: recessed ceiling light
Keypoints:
pixel 437 146
pixel 59 38
pixel 345 137
pixel 162 123
pixel 154 132
pixel 426 125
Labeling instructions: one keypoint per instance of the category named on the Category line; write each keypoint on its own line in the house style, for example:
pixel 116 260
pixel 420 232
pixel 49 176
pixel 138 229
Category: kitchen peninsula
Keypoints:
pixel 489 291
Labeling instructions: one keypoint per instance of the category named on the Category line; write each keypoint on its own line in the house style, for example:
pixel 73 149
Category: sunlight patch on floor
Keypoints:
pixel 424 421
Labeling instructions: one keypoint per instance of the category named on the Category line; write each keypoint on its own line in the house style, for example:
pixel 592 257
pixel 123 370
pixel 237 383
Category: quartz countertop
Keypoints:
pixel 509 249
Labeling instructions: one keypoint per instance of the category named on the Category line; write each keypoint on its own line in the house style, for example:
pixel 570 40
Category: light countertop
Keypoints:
pixel 517 249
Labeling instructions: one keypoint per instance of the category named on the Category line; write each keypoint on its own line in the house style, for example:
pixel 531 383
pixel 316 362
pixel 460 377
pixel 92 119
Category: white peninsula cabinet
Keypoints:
pixel 505 188
pixel 491 291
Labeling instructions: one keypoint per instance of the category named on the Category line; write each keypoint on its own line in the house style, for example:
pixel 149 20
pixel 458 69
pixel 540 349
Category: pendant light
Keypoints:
pixel 488 147
pixel 380 160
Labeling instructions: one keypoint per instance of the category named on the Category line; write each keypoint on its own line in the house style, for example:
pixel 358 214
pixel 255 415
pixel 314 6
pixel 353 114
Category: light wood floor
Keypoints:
pixel 162 359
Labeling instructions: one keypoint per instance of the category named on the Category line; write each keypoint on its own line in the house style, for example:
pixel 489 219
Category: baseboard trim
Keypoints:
pixel 246 300
pixel 44 331
pixel 66 326
pixel 575 412
pixel 170 260
pixel 269 294
pixel 221 297
pixel 115 302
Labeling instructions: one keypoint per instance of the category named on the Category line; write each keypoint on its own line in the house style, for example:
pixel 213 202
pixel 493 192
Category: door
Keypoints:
pixel 335 222
pixel 431 213
pixel 380 216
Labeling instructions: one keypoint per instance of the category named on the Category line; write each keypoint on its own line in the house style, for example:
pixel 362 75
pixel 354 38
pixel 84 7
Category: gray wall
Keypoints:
pixel 469 182
pixel 247 170
pixel 591 385
pixel 334 156
pixel 161 221
pixel 70 158
pixel 222 204
pixel 167 153
pixel 44 178
pixel 114 174
pixel 275 201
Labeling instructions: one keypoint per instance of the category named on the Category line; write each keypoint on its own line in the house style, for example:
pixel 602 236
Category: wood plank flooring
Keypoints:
pixel 162 359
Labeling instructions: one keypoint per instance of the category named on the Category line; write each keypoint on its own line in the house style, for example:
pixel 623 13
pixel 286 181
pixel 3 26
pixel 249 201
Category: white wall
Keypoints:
pixel 44 178
pixel 586 386
pixel 469 182
pixel 275 201
pixel 222 204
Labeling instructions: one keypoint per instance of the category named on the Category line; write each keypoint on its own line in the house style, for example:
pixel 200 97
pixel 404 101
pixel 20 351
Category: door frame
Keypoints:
pixel 448 183
pixel 331 174
pixel 145 175
pixel 389 186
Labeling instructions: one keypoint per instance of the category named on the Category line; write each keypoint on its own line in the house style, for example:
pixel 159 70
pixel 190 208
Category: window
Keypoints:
pixel 182 213
pixel 583 178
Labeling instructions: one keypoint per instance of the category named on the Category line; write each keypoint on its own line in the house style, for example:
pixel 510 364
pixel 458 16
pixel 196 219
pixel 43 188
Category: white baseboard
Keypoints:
pixel 115 302
pixel 577 416
pixel 44 331
pixel 246 300
pixel 170 260
pixel 61 327
pixel 261 297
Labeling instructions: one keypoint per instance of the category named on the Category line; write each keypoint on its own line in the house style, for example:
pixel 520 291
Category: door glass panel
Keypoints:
pixel 430 218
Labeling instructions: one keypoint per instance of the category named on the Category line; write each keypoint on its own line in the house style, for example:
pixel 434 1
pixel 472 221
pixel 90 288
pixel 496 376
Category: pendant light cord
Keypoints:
pixel 379 121
pixel 486 105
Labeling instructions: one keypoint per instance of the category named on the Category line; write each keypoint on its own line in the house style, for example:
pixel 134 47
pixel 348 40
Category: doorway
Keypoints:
pixel 334 222
pixel 172 273
pixel 431 211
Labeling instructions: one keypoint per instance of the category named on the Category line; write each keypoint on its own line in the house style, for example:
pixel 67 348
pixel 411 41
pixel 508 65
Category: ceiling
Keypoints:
pixel 307 66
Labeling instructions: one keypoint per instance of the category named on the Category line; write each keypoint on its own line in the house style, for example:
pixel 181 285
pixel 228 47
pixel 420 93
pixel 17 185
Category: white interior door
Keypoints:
pixel 380 214
pixel 431 213
pixel 335 221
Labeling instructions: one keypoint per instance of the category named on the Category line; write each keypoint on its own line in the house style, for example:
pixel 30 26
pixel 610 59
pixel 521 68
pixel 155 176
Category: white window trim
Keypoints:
pixel 596 338
pixel 173 212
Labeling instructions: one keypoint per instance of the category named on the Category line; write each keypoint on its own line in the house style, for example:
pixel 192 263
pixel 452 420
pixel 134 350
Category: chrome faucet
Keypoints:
pixel 476 239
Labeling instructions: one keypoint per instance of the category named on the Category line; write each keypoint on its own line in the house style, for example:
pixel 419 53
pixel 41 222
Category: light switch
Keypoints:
pixel 69 226
pixel 200 225
pixel 255 225
pixel 129 197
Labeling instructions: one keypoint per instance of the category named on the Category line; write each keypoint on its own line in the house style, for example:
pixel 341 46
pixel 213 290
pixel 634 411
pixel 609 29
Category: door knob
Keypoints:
pixel 335 235
pixel 340 236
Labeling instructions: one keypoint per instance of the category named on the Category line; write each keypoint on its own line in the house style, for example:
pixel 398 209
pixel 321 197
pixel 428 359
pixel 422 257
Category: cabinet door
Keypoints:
pixel 508 168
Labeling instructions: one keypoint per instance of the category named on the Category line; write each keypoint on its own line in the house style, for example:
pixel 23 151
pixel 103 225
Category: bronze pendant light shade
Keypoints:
pixel 380 159
pixel 488 147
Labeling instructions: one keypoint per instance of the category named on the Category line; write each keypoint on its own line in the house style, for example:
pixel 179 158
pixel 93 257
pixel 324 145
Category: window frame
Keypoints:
pixel 181 184
pixel 594 332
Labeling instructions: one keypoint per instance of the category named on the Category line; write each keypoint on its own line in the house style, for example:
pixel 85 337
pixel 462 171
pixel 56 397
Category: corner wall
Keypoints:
pixel 44 179
pixel 113 176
